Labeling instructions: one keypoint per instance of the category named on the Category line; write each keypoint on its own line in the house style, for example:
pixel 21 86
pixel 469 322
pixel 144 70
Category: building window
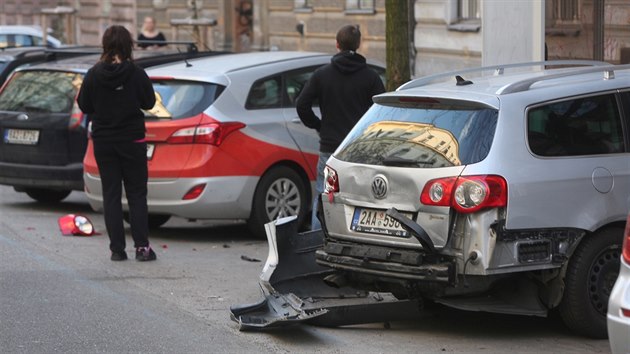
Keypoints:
pixel 302 4
pixel 468 9
pixel 464 15
pixel 566 11
pixel 359 6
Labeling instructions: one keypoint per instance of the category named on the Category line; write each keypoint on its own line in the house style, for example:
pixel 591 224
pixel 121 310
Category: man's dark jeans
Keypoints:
pixel 124 163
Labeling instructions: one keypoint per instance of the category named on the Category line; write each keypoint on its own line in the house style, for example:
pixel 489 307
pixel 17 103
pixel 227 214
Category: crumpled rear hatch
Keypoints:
pixel 400 148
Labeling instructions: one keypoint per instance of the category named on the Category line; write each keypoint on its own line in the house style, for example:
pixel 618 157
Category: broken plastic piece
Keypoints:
pixel 249 259
pixel 75 225
pixel 295 291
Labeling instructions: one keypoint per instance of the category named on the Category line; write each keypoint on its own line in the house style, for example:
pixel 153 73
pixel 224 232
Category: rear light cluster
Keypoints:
pixel 466 194
pixel 211 133
pixel 331 180
pixel 626 242
pixel 76 116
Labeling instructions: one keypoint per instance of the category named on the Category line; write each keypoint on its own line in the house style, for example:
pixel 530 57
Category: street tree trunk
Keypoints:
pixel 397 43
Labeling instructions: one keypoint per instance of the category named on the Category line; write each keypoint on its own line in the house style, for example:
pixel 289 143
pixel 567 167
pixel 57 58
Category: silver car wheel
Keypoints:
pixel 282 199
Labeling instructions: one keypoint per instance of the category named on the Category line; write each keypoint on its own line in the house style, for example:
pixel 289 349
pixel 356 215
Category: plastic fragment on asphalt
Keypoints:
pixel 76 225
pixel 165 246
pixel 249 259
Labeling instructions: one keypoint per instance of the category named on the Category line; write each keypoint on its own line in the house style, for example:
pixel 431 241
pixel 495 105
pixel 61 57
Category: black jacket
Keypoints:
pixel 113 95
pixel 344 89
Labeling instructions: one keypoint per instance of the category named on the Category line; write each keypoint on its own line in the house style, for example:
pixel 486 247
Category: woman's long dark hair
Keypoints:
pixel 117 41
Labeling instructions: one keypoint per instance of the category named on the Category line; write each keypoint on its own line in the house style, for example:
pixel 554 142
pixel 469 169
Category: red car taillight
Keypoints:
pixel 467 194
pixel 626 242
pixel 331 180
pixel 76 116
pixel 211 133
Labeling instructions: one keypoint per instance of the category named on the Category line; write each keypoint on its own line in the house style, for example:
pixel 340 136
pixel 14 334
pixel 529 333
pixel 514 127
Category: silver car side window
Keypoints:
pixel 581 126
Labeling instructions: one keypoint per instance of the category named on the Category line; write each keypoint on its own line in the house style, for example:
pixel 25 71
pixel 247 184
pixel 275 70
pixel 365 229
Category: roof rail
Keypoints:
pixel 497 70
pixel 191 46
pixel 524 85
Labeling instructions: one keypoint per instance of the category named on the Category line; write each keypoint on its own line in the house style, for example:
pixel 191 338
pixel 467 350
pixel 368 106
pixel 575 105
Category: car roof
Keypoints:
pixel 18 52
pixel 489 88
pixel 144 58
pixel 233 62
pixel 19 29
pixel 26 30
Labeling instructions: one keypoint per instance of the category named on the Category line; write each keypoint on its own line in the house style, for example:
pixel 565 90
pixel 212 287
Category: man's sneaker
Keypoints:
pixel 144 254
pixel 119 256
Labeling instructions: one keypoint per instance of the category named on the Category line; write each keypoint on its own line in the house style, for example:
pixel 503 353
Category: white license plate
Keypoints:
pixel 150 149
pixel 21 136
pixel 376 222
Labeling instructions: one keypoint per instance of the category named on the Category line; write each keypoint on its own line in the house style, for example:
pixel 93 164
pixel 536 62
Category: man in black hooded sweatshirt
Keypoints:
pixel 113 94
pixel 344 90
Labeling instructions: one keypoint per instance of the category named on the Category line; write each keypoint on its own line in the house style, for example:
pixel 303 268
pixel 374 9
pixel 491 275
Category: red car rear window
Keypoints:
pixel 177 99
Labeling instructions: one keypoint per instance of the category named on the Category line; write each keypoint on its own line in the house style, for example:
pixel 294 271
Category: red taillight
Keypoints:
pixel 625 312
pixel 212 133
pixel 76 116
pixel 467 194
pixel 194 192
pixel 626 242
pixel 438 192
pixel 331 180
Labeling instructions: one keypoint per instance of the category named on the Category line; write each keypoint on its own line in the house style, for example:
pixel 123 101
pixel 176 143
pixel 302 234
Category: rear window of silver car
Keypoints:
pixel 41 91
pixel 428 136
pixel 177 99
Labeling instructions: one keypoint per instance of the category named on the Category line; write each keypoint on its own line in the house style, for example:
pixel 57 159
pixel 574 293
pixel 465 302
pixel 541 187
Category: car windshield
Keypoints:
pixel 41 91
pixel 3 64
pixel 175 99
pixel 428 136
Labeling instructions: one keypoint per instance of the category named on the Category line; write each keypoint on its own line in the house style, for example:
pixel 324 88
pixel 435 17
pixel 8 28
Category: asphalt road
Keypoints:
pixel 63 294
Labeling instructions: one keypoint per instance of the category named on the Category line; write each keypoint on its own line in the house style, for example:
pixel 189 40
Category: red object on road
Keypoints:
pixel 75 225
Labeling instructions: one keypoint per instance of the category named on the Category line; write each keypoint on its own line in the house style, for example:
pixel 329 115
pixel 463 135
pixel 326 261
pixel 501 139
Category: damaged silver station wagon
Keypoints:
pixel 503 193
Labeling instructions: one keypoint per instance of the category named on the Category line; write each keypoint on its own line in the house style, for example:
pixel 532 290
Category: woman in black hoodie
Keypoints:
pixel 113 94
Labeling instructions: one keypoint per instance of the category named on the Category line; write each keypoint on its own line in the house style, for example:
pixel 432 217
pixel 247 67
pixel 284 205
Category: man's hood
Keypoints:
pixel 113 76
pixel 348 61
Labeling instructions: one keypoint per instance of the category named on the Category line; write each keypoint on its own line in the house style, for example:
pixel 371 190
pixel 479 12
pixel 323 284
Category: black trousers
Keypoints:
pixel 124 163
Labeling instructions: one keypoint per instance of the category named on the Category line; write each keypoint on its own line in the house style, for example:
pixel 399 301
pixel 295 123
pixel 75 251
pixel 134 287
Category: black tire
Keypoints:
pixel 155 220
pixel 47 195
pixel 590 276
pixel 280 192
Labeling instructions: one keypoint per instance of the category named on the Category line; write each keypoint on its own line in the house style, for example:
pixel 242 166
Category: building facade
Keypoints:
pixel 447 33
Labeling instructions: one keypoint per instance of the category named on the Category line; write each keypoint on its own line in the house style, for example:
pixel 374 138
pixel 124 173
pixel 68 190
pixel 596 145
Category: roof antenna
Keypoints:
pixel 462 82
pixel 188 65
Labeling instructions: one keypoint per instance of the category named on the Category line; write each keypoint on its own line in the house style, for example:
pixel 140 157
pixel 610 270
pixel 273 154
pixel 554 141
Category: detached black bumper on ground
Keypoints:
pixel 295 291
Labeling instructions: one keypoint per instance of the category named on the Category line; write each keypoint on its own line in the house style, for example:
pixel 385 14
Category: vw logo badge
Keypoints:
pixel 22 116
pixel 379 187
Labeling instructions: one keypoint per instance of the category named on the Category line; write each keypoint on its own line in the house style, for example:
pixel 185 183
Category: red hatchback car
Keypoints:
pixel 225 141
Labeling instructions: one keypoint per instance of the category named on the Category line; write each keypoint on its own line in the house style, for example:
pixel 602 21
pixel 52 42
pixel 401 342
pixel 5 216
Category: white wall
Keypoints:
pixel 438 48
pixel 513 31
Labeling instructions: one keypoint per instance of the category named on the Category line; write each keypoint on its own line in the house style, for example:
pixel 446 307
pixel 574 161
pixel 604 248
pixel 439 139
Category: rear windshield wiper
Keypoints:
pixel 403 162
